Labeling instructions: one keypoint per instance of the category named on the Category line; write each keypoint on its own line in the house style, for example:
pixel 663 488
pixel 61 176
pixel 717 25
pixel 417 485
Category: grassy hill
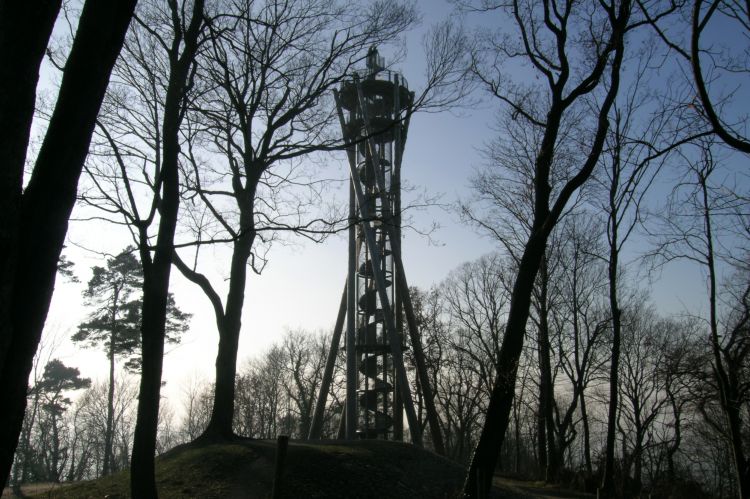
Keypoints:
pixel 244 469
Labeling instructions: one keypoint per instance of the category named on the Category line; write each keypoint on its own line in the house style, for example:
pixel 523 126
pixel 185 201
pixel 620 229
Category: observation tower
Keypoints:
pixel 373 108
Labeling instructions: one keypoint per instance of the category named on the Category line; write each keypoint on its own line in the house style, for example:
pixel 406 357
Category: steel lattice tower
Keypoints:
pixel 371 106
pixel 374 106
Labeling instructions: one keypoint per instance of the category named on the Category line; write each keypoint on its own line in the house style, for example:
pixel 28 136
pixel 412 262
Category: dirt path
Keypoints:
pixel 30 489
pixel 518 489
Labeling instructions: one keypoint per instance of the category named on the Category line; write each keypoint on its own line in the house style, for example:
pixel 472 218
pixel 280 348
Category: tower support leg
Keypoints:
pixel 325 385
pixel 351 323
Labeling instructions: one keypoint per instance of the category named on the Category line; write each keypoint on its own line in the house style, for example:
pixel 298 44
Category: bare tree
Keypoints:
pixel 305 356
pixel 581 320
pixel 196 409
pixel 136 181
pixel 269 74
pixel 262 405
pixel 92 418
pixel 168 435
pixel 476 299
pixel 183 37
pixel 504 210
pixel 701 219
pixel 630 166
pixel 642 394
pixel 460 323
pixel 275 392
pixel 676 373
pixel 552 42
pixel 688 35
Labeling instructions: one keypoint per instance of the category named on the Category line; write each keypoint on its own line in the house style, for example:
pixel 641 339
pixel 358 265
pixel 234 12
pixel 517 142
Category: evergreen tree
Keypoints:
pixel 114 294
pixel 43 459
pixel 56 381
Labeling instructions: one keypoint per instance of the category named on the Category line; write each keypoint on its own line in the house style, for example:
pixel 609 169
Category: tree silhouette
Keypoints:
pixel 56 381
pixel 34 219
pixel 269 71
pixel 550 40
pixel 114 292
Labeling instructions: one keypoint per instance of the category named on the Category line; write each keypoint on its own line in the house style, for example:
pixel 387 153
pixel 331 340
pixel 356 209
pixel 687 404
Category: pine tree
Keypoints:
pixel 114 294
pixel 56 381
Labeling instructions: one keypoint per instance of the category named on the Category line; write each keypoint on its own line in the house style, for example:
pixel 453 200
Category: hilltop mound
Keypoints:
pixel 244 469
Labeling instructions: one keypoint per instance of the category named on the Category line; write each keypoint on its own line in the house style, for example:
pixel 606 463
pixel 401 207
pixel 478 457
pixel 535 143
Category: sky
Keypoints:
pixel 301 286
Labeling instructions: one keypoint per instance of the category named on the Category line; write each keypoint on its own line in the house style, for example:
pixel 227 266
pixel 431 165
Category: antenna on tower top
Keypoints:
pixel 375 63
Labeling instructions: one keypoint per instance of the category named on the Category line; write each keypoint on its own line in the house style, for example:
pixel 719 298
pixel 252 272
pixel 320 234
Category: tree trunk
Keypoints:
pixel 742 468
pixel 517 460
pixel 638 460
pixel 109 430
pixel 609 457
pixel 220 424
pixel 479 476
pixel 156 272
pixel 155 289
pixel 54 475
pixel 728 393
pixel 25 28
pixel 49 198
pixel 546 388
pixel 21 474
pixel 586 434
pixel 541 436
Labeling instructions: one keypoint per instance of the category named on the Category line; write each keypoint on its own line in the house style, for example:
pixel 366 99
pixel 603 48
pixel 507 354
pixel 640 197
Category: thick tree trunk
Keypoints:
pixel 156 272
pixel 49 198
pixel 155 289
pixel 229 325
pixel 25 28
pixel 541 436
pixel 222 413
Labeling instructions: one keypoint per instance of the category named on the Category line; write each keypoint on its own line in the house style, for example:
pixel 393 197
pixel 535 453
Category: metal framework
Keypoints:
pixel 373 108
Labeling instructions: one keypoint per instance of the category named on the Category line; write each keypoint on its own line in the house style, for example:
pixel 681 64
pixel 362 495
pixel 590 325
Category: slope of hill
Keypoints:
pixel 244 469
